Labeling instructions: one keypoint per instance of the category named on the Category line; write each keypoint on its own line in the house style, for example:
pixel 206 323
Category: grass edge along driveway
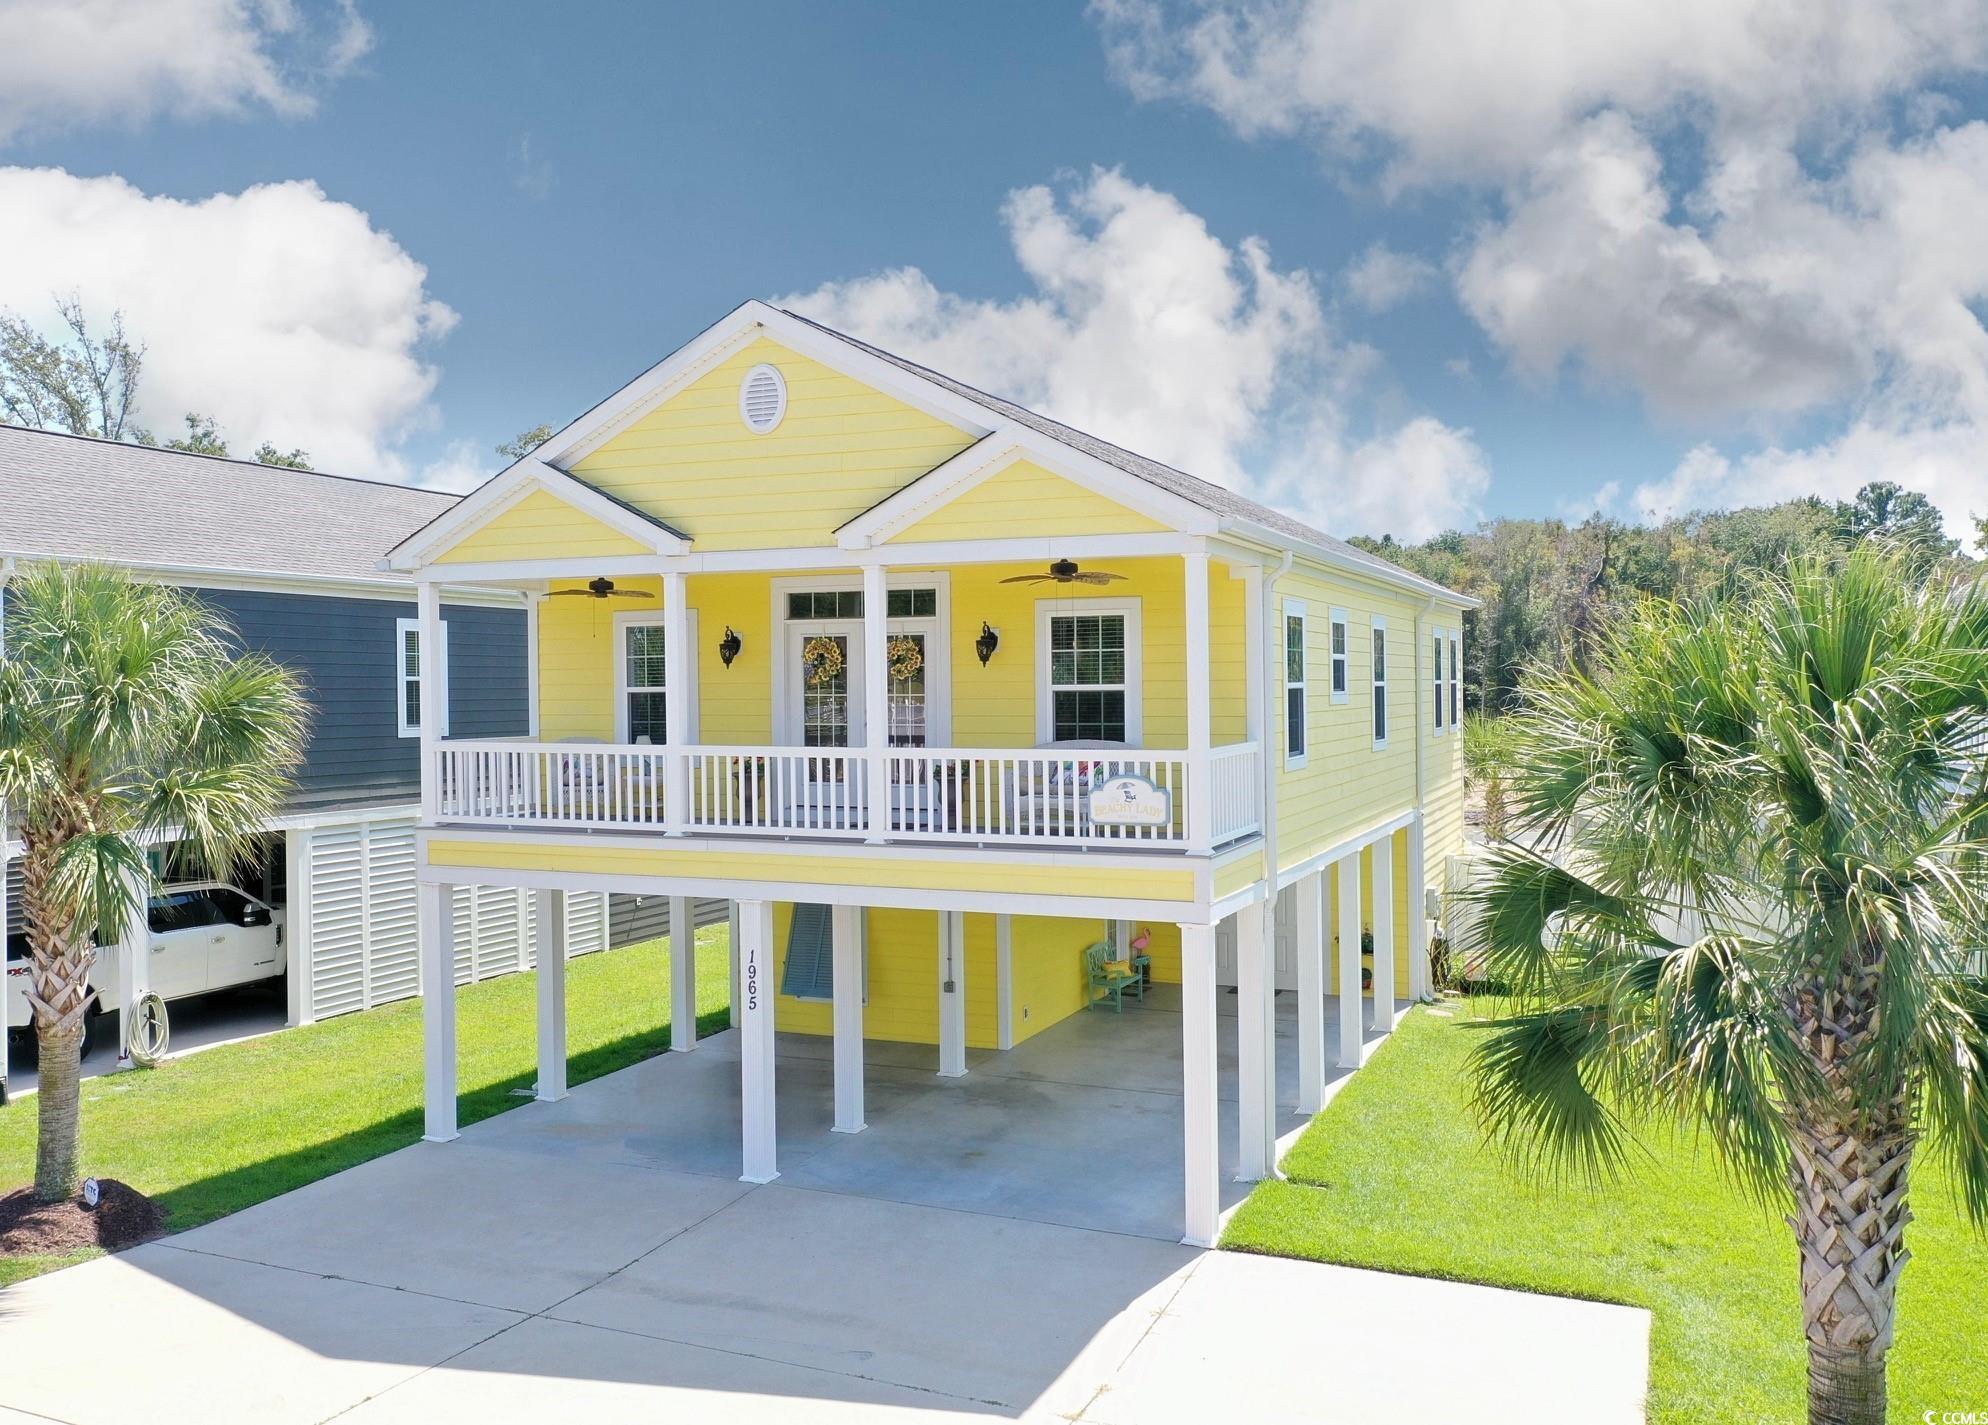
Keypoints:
pixel 1394 1175
pixel 231 1126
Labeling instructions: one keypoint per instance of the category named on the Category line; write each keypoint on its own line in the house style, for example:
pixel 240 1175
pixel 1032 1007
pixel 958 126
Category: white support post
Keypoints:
pixel 438 1009
pixel 550 908
pixel 952 994
pixel 532 601
pixel 1347 869
pixel 756 1044
pixel 1004 974
pixel 1383 915
pixel 679 658
pixel 1200 794
pixel 1254 1047
pixel 683 974
pixel 876 696
pixel 846 940
pixel 1418 923
pixel 134 969
pixel 1200 1137
pixel 431 653
pixel 297 873
pixel 1310 892
pixel 733 954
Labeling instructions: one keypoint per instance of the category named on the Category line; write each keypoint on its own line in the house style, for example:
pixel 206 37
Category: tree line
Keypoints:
pixel 1550 587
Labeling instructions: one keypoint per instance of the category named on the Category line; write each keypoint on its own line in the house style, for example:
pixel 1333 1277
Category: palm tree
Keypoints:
pixel 1747 898
pixel 127 716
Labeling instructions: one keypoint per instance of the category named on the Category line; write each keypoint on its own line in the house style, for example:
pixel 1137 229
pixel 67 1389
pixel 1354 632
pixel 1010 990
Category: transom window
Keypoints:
pixel 1087 677
pixel 1380 682
pixel 1294 684
pixel 1339 681
pixel 848 603
pixel 645 682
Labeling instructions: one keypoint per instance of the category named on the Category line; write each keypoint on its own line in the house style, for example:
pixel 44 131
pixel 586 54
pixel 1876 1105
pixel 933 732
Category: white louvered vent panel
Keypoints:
pixel 499 940
pixel 393 958
pixel 586 922
pixel 762 399
pixel 337 921
pixel 462 915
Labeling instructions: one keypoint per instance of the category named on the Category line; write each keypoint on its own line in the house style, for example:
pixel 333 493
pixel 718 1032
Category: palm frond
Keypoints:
pixel 1534 1094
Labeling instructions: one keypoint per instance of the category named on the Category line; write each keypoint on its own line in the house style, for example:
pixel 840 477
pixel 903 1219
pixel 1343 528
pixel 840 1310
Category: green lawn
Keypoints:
pixel 216 1131
pixel 1393 1175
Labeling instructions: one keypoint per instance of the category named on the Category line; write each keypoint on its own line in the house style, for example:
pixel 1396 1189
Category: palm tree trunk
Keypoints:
pixel 1851 1168
pixel 58 1110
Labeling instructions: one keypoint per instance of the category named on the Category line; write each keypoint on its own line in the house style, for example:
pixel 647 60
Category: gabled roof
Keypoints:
pixel 76 497
pixel 512 485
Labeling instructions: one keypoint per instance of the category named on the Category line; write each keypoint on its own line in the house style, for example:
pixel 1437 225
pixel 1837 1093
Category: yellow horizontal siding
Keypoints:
pixel 1396 848
pixel 541 526
pixel 841 447
pixel 1025 500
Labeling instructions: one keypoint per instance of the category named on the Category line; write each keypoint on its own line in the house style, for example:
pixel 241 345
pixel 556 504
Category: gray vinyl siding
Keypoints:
pixel 634 919
pixel 344 651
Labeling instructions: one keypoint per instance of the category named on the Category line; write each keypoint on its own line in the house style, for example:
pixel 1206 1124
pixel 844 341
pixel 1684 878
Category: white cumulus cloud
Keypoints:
pixel 1381 277
pixel 285 315
pixel 1147 329
pixel 65 63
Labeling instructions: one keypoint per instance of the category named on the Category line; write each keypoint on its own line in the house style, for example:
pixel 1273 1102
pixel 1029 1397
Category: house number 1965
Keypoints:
pixel 752 978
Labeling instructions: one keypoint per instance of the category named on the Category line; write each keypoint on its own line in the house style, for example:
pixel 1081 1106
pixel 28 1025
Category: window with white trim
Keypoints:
pixel 1088 667
pixel 1456 678
pixel 1340 682
pixel 1380 681
pixel 407 680
pixel 644 682
pixel 1294 683
pixel 1441 697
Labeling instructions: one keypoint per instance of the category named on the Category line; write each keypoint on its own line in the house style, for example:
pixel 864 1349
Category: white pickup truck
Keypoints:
pixel 201 936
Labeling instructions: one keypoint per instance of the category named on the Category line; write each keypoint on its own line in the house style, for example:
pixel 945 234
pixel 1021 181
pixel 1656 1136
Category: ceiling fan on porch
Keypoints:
pixel 600 589
pixel 1065 571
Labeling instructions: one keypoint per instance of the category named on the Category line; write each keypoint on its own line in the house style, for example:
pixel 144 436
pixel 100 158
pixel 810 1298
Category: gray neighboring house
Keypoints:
pixel 291 557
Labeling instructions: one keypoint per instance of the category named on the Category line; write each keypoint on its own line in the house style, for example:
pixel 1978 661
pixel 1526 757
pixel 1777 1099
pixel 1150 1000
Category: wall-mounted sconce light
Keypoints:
pixel 985 645
pixel 729 646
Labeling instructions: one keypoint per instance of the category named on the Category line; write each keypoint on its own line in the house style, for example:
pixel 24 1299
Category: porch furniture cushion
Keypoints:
pixel 1109 978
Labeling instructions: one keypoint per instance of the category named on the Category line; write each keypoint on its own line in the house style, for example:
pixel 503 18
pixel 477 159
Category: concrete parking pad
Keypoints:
pixel 997 1246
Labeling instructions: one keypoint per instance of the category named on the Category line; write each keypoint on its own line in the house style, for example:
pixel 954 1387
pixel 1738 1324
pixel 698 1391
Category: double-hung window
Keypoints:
pixel 644 669
pixel 1090 690
pixel 1294 683
pixel 407 679
pixel 1380 681
pixel 1340 684
pixel 1441 697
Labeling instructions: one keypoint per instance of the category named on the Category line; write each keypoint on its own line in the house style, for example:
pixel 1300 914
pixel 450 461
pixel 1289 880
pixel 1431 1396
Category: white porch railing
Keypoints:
pixel 960 795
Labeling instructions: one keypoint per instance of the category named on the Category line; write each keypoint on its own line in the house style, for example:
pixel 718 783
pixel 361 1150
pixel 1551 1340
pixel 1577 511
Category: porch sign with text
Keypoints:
pixel 1128 800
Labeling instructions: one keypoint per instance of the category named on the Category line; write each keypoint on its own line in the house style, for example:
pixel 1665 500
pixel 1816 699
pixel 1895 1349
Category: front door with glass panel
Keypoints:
pixel 825 710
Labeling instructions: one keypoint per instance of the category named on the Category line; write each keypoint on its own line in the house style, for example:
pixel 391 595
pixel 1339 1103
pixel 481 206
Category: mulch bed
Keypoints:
pixel 123 1217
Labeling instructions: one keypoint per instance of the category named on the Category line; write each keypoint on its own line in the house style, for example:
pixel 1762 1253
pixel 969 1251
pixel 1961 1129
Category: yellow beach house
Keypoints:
pixel 943 696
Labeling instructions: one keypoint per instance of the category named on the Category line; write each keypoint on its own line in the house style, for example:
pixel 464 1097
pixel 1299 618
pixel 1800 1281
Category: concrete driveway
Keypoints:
pixel 998 1245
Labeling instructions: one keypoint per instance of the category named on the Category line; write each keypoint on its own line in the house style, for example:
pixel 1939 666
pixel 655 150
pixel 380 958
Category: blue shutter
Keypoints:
pixel 810 969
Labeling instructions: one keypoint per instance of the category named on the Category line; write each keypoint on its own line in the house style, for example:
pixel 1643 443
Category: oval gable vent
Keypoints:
pixel 763 398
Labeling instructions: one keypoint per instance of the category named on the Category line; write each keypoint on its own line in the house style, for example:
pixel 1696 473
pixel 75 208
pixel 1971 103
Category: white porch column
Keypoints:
pixel 1383 915
pixel 550 909
pixel 679 658
pixel 297 925
pixel 952 994
pixel 532 601
pixel 1254 1046
pixel 683 974
pixel 1347 869
pixel 1418 923
pixel 846 940
pixel 1200 1137
pixel 1004 975
pixel 876 695
pixel 134 968
pixel 429 611
pixel 438 1007
pixel 1310 892
pixel 756 1042
pixel 1200 796
pixel 732 953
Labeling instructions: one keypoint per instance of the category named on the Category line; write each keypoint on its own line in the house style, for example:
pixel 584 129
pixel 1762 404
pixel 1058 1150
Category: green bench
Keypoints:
pixel 1109 984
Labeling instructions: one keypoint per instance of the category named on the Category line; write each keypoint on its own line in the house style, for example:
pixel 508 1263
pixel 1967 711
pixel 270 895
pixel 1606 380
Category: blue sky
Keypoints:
pixel 588 185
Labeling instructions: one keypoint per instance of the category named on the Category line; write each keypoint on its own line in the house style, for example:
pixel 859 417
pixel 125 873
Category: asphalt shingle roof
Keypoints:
pixel 1218 499
pixel 73 497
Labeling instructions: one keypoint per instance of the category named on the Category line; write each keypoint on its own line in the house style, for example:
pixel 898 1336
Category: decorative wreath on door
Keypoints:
pixel 906 658
pixel 821 657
